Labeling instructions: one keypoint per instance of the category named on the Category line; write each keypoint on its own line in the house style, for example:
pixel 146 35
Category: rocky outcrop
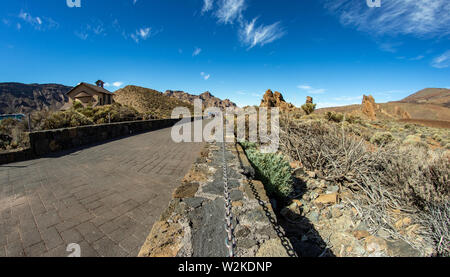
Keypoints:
pixel 275 100
pixel 369 107
pixel 400 113
pixel 309 100
pixel 208 99
pixel 23 98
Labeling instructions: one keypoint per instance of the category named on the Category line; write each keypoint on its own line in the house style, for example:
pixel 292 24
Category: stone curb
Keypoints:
pixel 193 224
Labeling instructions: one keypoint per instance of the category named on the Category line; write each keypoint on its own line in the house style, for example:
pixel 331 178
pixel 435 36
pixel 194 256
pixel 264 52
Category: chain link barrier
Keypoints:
pixel 230 240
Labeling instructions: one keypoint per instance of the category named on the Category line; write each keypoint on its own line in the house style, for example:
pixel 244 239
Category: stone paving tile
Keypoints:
pixel 36 250
pixel 51 237
pixel 131 244
pixel 109 248
pixel 15 249
pixel 71 236
pixel 47 219
pixel 90 232
pixel 105 197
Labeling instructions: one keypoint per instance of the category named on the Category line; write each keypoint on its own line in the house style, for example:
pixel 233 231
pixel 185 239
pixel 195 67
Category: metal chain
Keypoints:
pixel 230 240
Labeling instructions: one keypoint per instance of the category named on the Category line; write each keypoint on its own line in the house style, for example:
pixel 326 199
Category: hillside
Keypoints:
pixel 208 99
pixel 436 96
pixel 24 98
pixel 423 107
pixel 148 101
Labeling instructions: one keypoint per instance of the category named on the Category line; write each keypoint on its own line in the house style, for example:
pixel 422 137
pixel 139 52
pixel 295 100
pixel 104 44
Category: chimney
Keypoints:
pixel 100 83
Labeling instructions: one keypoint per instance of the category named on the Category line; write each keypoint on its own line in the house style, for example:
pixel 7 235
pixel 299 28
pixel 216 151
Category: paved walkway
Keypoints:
pixel 104 198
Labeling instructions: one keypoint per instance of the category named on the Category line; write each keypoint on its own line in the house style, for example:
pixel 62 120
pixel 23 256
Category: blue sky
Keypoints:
pixel 333 50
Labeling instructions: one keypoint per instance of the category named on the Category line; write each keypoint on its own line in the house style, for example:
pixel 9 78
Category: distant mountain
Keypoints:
pixel 23 98
pixel 431 104
pixel 209 100
pixel 436 96
pixel 148 101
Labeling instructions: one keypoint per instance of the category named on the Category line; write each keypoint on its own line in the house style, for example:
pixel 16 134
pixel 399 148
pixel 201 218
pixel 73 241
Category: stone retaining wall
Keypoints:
pixel 45 142
pixel 193 224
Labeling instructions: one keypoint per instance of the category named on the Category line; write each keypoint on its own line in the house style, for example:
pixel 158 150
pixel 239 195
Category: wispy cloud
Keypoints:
pixel 422 18
pixel 230 10
pixel 205 76
pixel 207 5
pixel 442 61
pixel 252 35
pixel 196 52
pixel 96 28
pixel 37 22
pixel 340 101
pixel 141 34
pixel 390 47
pixel 312 90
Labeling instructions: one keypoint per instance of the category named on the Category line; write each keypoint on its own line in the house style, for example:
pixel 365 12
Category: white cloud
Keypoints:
pixel 252 35
pixel 196 52
pixel 141 34
pixel 207 5
pixel 115 84
pixel 312 90
pixel 38 23
pixel 413 17
pixel 205 76
pixel 442 61
pixel 230 10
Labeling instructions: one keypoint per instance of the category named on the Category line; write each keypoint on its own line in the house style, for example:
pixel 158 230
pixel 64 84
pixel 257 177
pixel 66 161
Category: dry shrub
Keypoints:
pixel 392 177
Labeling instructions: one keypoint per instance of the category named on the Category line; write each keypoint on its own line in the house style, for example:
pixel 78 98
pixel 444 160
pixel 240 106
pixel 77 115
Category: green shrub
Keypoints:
pixel 273 170
pixel 66 119
pixel 335 117
pixel 309 108
pixel 382 138
pixel 248 145
pixel 77 105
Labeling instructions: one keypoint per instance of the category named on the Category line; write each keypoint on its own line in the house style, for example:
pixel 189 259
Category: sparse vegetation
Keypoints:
pixel 272 169
pixel 382 138
pixel 384 177
pixel 12 134
pixel 149 102
pixel 309 108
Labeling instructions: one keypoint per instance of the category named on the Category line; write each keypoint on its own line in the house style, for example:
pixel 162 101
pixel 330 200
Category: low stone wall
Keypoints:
pixel 194 223
pixel 44 142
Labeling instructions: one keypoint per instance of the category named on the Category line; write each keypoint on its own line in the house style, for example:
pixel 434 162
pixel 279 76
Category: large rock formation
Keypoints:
pixel 275 100
pixel 369 107
pixel 208 99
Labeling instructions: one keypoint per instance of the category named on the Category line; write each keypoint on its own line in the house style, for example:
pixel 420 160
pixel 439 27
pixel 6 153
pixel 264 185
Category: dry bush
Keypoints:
pixel 13 134
pixel 437 221
pixel 387 178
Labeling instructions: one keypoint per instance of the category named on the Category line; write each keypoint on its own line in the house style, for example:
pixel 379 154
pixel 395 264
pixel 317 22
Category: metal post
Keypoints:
pixel 109 118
